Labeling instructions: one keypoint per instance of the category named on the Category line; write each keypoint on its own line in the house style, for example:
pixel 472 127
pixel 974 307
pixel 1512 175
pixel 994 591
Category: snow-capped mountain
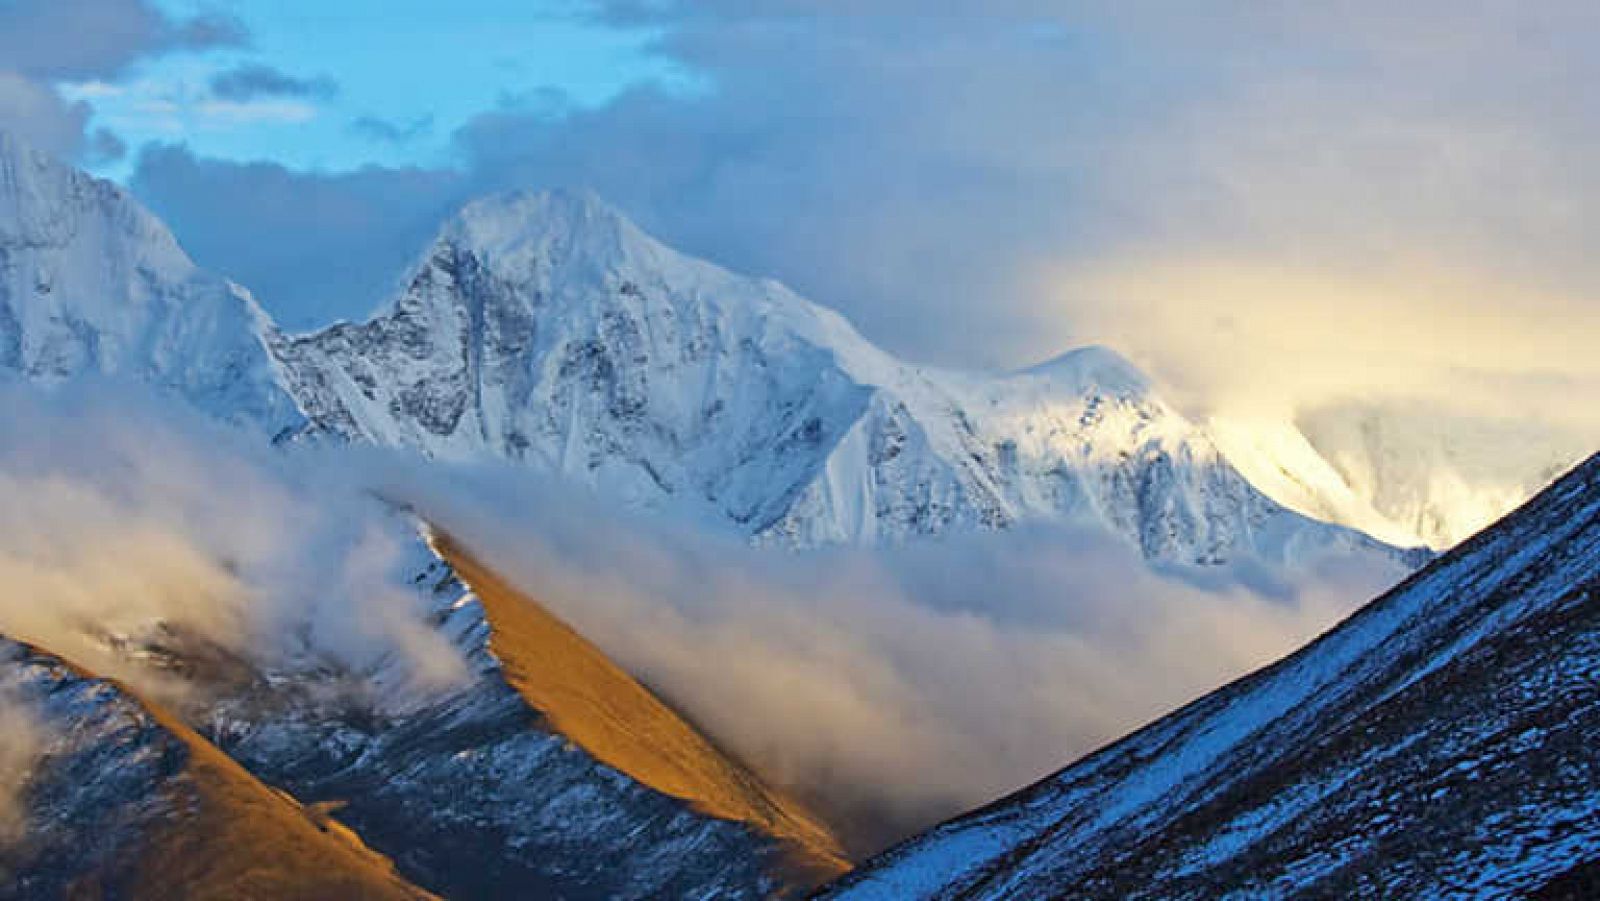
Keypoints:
pixel 93 284
pixel 546 328
pixel 1438 743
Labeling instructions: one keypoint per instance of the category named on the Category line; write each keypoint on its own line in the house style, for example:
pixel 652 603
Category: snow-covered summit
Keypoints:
pixel 93 284
pixel 571 238
pixel 1091 368
pixel 545 328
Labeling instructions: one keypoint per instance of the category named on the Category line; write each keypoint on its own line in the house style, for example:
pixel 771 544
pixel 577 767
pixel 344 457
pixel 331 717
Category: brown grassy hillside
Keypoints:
pixel 608 713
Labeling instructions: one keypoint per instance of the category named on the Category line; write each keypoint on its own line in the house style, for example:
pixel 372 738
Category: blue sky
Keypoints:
pixel 422 68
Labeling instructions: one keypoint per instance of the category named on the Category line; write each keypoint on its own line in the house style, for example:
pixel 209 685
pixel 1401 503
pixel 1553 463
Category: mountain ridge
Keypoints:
pixel 623 725
pixel 1447 721
pixel 183 821
pixel 91 283
pixel 544 328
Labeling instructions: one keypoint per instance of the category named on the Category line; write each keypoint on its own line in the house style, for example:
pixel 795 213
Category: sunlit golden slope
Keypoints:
pixel 226 835
pixel 245 840
pixel 598 706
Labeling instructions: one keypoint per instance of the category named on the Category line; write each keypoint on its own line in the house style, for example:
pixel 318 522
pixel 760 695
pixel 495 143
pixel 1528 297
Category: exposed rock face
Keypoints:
pixel 1438 743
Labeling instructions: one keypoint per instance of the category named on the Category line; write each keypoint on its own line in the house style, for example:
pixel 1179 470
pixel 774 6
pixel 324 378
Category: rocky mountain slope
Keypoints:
pixel 521 778
pixel 545 328
pixel 122 800
pixel 1438 743
pixel 586 698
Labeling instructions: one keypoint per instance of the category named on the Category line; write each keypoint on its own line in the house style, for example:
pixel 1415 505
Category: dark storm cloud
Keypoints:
pixel 254 80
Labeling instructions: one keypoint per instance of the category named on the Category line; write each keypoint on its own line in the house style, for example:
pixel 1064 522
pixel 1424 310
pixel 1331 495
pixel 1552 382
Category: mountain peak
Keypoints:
pixel 95 284
pixel 527 208
pixel 46 202
pixel 1093 366
pixel 517 227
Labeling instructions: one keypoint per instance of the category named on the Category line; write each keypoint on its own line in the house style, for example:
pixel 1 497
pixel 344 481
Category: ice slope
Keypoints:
pixel 1438 743
pixel 93 284
pixel 546 328
pixel 1405 473
pixel 1279 460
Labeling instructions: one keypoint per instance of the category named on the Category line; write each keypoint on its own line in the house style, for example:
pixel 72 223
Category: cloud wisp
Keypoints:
pixel 382 130
pixel 252 81
pixel 128 520
pixel 22 740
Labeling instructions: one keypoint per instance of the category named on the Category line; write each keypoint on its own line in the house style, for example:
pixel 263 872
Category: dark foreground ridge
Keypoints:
pixel 1440 742
pixel 124 801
